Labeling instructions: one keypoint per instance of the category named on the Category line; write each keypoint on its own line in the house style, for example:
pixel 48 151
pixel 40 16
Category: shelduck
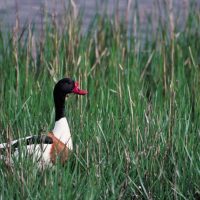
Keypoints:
pixel 56 145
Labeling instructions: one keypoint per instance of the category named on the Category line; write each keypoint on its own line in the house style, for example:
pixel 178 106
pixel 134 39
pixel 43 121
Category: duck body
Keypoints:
pixel 45 150
pixel 37 148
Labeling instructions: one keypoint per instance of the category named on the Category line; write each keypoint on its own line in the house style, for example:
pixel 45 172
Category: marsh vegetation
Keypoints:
pixel 136 135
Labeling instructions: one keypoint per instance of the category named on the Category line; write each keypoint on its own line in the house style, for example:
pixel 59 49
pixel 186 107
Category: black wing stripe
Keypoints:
pixel 36 139
pixel 42 139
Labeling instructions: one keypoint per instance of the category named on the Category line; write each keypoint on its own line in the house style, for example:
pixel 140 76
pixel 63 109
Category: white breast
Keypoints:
pixel 62 132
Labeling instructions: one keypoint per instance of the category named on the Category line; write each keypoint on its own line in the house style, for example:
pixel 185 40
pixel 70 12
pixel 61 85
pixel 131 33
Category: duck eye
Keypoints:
pixel 69 81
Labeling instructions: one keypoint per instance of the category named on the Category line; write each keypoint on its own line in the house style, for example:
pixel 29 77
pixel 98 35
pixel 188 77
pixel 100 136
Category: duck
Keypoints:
pixel 56 145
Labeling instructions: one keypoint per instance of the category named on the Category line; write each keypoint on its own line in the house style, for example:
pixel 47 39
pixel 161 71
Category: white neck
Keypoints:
pixel 62 132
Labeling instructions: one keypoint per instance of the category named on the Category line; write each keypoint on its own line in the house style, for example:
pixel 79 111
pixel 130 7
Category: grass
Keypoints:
pixel 136 135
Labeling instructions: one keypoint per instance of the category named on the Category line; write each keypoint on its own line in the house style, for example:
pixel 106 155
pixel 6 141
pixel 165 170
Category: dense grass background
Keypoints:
pixel 136 135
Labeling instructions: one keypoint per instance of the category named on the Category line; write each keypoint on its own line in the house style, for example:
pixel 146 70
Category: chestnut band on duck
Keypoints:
pixel 46 148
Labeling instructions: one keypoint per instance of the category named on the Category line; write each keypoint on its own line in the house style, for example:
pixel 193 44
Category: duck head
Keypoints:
pixel 62 89
pixel 66 86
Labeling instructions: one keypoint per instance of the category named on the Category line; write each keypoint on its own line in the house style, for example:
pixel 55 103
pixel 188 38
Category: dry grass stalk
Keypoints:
pixel 8 148
pixel 128 11
pixel 172 91
pixel 15 49
pixel 28 54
